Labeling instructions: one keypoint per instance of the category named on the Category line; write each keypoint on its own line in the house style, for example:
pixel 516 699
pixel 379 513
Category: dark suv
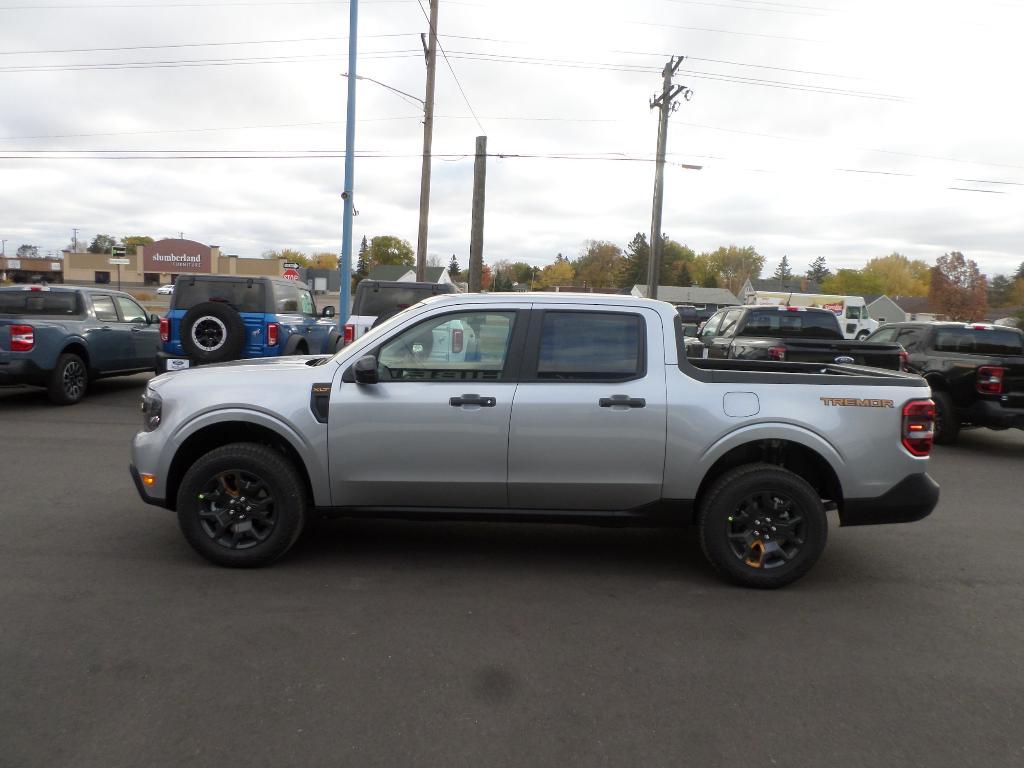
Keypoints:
pixel 976 372
pixel 214 319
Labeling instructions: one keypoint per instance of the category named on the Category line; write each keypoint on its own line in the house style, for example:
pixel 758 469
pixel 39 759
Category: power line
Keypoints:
pixel 451 69
pixel 726 32
pixel 243 3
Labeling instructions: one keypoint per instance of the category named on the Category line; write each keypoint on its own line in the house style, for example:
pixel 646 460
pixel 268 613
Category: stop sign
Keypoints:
pixel 290 274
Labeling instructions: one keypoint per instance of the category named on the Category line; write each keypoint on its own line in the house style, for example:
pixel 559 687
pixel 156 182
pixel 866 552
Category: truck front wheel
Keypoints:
pixel 241 505
pixel 762 526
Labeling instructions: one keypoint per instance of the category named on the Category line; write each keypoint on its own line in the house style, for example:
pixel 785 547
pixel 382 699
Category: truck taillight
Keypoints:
pixel 990 380
pixel 457 340
pixel 904 360
pixel 272 330
pixel 776 353
pixel 918 426
pixel 23 338
pixel 165 329
pixel 348 334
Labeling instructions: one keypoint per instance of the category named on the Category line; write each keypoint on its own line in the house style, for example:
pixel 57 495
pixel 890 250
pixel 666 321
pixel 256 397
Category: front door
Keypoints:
pixel 110 347
pixel 589 417
pixel 433 432
pixel 724 334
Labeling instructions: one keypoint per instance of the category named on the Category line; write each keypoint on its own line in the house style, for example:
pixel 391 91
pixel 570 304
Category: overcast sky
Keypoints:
pixel 901 108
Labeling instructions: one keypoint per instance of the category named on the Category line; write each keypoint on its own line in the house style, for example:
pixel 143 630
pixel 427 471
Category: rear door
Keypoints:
pixel 109 340
pixel 589 417
pixel 144 337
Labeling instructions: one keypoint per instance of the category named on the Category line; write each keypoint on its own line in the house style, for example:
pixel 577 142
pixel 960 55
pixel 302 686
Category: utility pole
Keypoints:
pixel 666 103
pixel 476 238
pixel 345 266
pixel 74 238
pixel 430 49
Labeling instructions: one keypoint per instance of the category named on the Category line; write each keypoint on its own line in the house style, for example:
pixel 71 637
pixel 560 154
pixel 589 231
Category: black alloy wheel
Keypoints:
pixel 236 510
pixel 766 530
pixel 69 380
pixel 209 334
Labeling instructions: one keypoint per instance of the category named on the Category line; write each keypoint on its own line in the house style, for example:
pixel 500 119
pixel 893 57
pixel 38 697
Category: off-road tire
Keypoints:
pixel 279 475
pixel 69 380
pixel 947 423
pixel 224 320
pixel 723 499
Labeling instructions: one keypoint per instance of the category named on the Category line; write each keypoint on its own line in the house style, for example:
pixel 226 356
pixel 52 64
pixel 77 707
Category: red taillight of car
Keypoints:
pixel 457 338
pixel 990 380
pixel 272 334
pixel 776 353
pixel 918 426
pixel 348 334
pixel 904 360
pixel 165 329
pixel 23 338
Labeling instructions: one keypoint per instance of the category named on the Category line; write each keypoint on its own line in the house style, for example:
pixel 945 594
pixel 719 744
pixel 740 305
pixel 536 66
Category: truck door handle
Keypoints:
pixel 135 329
pixel 483 402
pixel 626 400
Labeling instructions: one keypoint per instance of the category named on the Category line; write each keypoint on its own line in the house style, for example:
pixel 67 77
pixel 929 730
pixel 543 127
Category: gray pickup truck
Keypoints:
pixel 63 337
pixel 556 408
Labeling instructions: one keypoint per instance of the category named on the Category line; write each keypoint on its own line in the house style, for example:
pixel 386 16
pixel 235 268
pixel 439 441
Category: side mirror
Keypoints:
pixel 327 312
pixel 154 319
pixel 365 370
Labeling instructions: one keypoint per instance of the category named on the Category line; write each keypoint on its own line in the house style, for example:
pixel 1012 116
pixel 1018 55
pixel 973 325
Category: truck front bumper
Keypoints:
pixel 913 498
pixel 142 489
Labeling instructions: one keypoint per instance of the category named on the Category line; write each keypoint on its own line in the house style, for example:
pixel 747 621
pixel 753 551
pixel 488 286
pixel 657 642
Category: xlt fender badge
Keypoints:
pixel 857 402
pixel 320 401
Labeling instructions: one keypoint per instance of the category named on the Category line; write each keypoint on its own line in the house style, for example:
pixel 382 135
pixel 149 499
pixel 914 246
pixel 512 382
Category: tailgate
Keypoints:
pixel 876 355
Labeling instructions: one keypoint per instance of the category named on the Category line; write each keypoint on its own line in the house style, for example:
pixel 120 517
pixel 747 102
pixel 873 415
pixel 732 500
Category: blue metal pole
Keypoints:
pixel 350 143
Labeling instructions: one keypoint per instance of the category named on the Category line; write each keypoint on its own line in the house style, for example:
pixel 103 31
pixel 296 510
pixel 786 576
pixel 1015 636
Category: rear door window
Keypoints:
pixel 980 341
pixel 286 298
pixel 786 324
pixel 242 295
pixel 104 308
pixel 590 346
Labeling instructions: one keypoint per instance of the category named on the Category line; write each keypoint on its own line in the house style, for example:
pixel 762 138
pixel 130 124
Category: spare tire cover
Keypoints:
pixel 212 332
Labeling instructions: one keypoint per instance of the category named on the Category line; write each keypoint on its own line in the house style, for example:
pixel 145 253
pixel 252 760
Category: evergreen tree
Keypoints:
pixel 1020 272
pixel 783 272
pixel 363 261
pixel 453 269
pixel 819 272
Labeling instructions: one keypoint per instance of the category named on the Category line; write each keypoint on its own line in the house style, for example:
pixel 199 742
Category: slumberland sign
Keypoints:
pixel 176 256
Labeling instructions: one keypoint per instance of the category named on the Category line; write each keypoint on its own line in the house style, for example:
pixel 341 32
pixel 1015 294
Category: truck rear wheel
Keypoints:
pixel 241 505
pixel 762 526
pixel 69 380
pixel 947 423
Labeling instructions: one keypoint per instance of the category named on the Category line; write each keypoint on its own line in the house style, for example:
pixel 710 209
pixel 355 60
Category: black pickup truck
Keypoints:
pixel 975 370
pixel 793 334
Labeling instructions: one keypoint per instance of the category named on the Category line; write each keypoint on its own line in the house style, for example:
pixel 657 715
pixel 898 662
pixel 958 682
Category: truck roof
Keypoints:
pixel 63 289
pixel 547 297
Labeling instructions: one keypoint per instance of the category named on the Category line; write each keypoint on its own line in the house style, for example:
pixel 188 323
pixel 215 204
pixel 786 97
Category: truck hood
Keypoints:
pixel 238 368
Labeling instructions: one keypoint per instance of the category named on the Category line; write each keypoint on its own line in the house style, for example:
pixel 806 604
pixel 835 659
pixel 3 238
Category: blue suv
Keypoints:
pixel 217 318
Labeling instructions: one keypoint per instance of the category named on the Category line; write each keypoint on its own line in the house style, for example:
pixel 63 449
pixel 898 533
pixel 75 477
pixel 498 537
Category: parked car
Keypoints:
pixel 571 408
pixel 975 370
pixel 215 319
pixel 856 322
pixel 378 300
pixel 62 338
pixel 165 290
pixel 796 334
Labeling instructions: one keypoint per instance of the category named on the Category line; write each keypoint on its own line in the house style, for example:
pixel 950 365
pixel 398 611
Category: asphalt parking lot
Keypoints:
pixel 395 643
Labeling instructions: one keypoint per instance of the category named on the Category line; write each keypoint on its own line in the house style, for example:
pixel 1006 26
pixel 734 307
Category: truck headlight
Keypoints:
pixel 152 409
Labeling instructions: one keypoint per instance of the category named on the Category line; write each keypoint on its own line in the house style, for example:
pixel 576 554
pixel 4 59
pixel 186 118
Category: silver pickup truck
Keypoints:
pixel 558 408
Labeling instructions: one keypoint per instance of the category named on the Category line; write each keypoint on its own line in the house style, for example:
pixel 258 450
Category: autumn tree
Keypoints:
pixel 1000 291
pixel 633 266
pixel 818 272
pixel 899 276
pixel 523 272
pixel 853 282
pixel 783 272
pixel 486 276
pixel 102 244
pixel 703 272
pixel 289 255
pixel 28 252
pixel 553 275
pixel 388 249
pixel 324 260
pixel 734 265
pixel 134 241
pixel 598 264
pixel 957 288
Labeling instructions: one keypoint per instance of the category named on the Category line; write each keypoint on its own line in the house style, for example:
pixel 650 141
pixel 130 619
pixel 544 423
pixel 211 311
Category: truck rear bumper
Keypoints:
pixel 14 371
pixel 913 498
pixel 989 413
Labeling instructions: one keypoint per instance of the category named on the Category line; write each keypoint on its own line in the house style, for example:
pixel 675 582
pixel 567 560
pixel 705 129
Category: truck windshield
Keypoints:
pixel 980 341
pixel 243 295
pixel 799 325
pixel 39 303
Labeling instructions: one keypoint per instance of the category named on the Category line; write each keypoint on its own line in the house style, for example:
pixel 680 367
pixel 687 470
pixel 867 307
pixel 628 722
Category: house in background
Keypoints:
pixel 899 309
pixel 792 285
pixel 399 273
pixel 705 301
